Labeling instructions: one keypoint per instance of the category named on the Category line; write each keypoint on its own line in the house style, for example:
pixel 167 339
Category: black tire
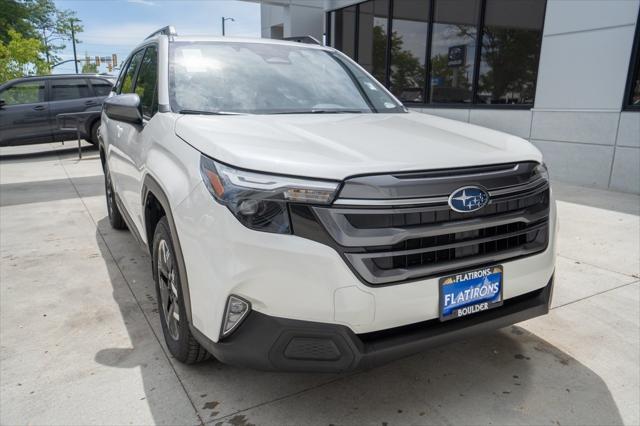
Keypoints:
pixel 115 217
pixel 93 137
pixel 175 327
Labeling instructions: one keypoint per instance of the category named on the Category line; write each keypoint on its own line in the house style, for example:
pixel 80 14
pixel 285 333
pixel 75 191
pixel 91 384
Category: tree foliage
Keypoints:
pixel 511 57
pixel 32 35
pixel 53 26
pixel 89 68
pixel 21 56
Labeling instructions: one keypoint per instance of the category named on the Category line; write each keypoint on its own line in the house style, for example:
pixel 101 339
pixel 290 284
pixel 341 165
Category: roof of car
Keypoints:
pixel 218 39
pixel 110 78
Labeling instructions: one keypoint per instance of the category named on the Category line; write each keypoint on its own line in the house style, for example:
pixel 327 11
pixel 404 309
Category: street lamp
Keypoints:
pixel 226 19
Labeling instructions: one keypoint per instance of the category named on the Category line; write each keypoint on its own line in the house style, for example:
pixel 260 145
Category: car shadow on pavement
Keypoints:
pixel 510 376
pixel 45 153
pixel 43 191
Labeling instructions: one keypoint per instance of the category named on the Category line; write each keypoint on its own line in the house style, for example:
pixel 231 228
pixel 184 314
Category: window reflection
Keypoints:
pixel 504 71
pixel 344 25
pixel 408 50
pixel 453 50
pixel 633 99
pixel 635 86
pixel 510 46
pixel 372 37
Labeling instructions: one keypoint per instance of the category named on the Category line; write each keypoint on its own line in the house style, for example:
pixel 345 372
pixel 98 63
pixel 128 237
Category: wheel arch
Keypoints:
pixel 156 205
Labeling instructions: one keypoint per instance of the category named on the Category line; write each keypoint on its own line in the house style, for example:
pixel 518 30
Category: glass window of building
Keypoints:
pixel 453 47
pixel 408 49
pixel 510 51
pixel 343 25
pixel 632 97
pixel 373 21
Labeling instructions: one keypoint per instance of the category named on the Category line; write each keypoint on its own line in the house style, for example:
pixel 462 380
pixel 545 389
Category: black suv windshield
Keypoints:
pixel 262 78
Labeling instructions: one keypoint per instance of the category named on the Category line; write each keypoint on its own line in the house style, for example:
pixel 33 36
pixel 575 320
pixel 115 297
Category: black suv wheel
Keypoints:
pixel 175 327
pixel 115 217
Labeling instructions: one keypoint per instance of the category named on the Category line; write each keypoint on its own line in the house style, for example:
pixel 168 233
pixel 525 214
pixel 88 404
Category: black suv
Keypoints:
pixel 29 106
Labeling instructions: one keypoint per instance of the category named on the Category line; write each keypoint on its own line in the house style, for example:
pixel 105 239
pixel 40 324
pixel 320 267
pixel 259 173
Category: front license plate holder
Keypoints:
pixel 470 292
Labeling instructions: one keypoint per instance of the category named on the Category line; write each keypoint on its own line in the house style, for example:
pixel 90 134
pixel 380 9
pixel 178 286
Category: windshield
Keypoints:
pixel 260 78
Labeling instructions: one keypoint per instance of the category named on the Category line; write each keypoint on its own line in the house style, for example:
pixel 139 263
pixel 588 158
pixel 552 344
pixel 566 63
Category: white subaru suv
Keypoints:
pixel 300 218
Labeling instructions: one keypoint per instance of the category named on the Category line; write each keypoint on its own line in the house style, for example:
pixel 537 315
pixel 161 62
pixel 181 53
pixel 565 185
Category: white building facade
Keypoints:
pixel 564 74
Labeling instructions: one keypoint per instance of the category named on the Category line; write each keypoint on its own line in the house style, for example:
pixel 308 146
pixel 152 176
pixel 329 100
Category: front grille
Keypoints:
pixel 393 244
pixel 457 246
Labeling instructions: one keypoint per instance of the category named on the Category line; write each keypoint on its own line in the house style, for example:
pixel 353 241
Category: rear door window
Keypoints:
pixel 28 92
pixel 63 89
pixel 100 87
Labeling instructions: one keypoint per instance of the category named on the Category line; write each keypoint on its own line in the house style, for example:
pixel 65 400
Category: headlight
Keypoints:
pixel 259 201
pixel 541 170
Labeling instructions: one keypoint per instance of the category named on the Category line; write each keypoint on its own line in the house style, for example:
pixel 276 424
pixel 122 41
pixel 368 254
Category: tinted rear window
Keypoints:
pixel 68 89
pixel 100 87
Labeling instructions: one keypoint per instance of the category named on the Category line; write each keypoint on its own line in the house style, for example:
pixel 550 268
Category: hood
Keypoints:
pixel 336 146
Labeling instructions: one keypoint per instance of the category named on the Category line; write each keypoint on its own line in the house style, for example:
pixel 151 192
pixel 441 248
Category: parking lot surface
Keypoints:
pixel 81 343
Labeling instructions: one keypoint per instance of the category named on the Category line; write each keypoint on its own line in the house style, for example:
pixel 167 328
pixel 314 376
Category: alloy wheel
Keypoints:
pixel 168 290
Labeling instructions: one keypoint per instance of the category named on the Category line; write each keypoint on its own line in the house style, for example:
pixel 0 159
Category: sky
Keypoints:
pixel 117 26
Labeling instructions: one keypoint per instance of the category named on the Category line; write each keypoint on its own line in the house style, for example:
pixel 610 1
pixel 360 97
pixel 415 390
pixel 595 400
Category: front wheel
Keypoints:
pixel 175 327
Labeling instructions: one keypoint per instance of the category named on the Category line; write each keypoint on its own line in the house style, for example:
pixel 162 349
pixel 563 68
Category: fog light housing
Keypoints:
pixel 235 312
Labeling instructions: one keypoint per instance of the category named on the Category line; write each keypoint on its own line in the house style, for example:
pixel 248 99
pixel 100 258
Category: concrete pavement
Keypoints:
pixel 81 343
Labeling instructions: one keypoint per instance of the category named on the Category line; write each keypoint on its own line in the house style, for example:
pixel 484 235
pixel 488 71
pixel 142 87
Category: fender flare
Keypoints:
pixel 151 185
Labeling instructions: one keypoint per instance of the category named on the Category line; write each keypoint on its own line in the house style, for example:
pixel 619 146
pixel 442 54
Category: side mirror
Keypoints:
pixel 124 108
pixel 2 103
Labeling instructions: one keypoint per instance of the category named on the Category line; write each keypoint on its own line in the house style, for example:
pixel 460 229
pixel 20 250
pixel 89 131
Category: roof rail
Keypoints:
pixel 169 30
pixel 304 39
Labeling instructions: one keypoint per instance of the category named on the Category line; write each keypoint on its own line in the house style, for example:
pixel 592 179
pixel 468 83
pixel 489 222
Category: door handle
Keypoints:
pixel 38 107
pixel 90 103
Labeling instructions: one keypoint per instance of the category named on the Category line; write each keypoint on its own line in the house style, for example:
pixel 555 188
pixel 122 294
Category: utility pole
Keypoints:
pixel 73 38
pixel 226 19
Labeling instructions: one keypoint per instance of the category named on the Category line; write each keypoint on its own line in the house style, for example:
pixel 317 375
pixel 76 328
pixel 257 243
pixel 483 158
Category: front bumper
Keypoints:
pixel 267 342
pixel 287 276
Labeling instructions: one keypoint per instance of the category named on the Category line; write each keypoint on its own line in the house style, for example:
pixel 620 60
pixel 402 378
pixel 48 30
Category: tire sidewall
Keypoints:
pixel 178 348
pixel 94 132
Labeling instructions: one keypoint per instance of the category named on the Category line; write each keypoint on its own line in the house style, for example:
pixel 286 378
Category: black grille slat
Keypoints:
pixel 380 219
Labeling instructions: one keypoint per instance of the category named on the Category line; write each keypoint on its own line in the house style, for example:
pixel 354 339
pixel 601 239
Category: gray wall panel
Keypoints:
pixel 453 113
pixel 515 122
pixel 585 70
pixel 579 15
pixel 585 127
pixel 588 165
pixel 626 170
pixel 629 129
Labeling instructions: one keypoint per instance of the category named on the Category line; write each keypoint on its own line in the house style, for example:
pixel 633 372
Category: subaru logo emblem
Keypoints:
pixel 468 199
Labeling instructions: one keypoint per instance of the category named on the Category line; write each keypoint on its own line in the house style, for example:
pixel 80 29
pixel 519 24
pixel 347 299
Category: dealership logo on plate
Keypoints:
pixel 468 199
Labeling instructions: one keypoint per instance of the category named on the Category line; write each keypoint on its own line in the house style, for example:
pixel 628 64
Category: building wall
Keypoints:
pixel 295 17
pixel 576 120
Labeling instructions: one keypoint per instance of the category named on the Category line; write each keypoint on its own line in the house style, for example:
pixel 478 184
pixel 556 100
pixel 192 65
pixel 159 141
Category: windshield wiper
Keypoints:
pixel 197 112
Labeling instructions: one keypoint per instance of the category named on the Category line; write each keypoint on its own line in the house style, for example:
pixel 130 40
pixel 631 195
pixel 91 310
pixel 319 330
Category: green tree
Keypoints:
pixel 21 56
pixel 406 70
pixel 88 67
pixel 511 56
pixel 14 15
pixel 54 26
